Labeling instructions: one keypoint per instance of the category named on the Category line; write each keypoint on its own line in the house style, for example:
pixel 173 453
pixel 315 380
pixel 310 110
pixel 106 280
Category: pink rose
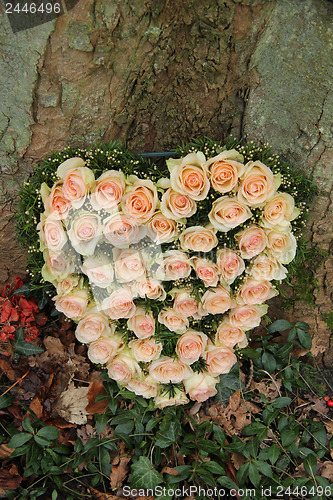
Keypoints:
pixel 228 335
pixel 228 213
pixel 184 304
pixel 108 190
pixel 206 271
pixel 229 264
pixel 55 202
pixel 102 350
pixel 190 346
pixel 67 284
pixel 119 304
pixel 176 265
pixel 198 239
pixel 52 234
pixel 177 206
pixel 247 317
pixel 258 184
pixel 128 265
pixel 166 370
pixel 220 360
pixel 145 350
pixel 57 265
pixel 123 367
pixel 282 245
pixel 145 387
pixel 224 170
pixel 255 292
pixel 76 180
pixel 121 230
pixel 174 321
pixel 266 267
pixel 150 288
pixel 92 326
pixel 99 270
pixel 162 229
pixel 252 242
pixel 188 176
pixel 200 386
pixel 279 210
pixel 72 305
pixel 142 324
pixel 140 200
pixel 85 232
pixel 217 300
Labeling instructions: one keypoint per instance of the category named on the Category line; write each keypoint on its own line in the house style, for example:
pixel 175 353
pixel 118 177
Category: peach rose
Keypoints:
pixel 224 170
pixel 163 400
pixel 229 264
pixel 146 387
pixel 185 304
pixel 99 270
pixel 145 350
pixel 128 265
pixel 252 242
pixel 76 180
pixel 217 300
pixel 190 346
pixel 123 367
pixel 220 360
pixel 162 229
pixel 174 321
pixel 266 267
pixel 92 326
pixel 55 202
pixel 228 213
pixel 142 324
pixel 140 199
pixel 255 292
pixel 228 335
pixel 258 184
pixel 67 284
pixel 282 245
pixel 200 386
pixel 108 190
pixel 166 370
pixel 85 232
pixel 206 271
pixel 72 305
pixel 52 234
pixel 247 317
pixel 176 265
pixel 188 176
pixel 198 239
pixel 150 288
pixel 119 304
pixel 279 210
pixel 102 350
pixel 121 230
pixel 57 265
pixel 177 206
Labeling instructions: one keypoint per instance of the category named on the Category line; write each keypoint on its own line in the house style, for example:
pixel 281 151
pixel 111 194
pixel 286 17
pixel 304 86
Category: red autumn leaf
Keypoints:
pixel 8 329
pixel 18 283
pixel 26 306
pixel 6 311
pixel 41 319
pixel 14 316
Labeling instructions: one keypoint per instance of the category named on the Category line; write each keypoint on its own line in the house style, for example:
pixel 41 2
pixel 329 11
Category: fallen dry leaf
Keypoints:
pixel 95 389
pixel 326 470
pixel 119 470
pixel 37 407
pixel 85 433
pixel 169 470
pixel 237 459
pixel 72 404
pixel 10 479
pixel 7 370
pixel 268 388
pixel 5 451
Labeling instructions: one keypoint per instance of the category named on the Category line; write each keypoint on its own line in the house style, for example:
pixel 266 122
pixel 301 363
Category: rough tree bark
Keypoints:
pixel 156 72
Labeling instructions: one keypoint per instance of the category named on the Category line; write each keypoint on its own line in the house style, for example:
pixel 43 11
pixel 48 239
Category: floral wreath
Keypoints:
pixel 165 266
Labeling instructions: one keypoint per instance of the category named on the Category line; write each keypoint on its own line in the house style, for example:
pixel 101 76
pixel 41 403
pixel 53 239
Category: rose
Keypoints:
pixel 198 239
pixel 184 304
pixel 228 213
pixel 229 264
pixel 128 265
pixel 73 304
pixel 76 180
pixel 179 398
pixel 255 292
pixel 166 370
pixel 123 367
pixel 224 170
pixel 99 270
pixel 220 360
pixel 177 206
pixel 55 202
pixel 176 265
pixel 146 387
pixel 247 317
pixel 57 266
pixel 121 230
pixel 282 245
pixel 266 267
pixel 279 210
pixel 217 300
pixel 85 232
pixel 142 324
pixel 145 350
pixel 52 234
pixel 92 326
pixel 188 176
pixel 149 288
pixel 162 229
pixel 228 335
pixel 174 321
pixel 119 304
pixel 103 349
pixel 206 271
pixel 252 241
pixel 67 284
pixel 258 184
pixel 108 190
pixel 140 199
pixel 190 346
pixel 200 386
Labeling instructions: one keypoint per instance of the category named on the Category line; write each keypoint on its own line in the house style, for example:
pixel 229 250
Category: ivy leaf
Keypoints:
pixel 23 347
pixel 167 434
pixel 144 475
pixel 228 384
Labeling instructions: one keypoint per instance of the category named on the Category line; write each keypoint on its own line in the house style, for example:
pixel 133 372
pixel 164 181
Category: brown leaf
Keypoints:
pixel 169 470
pixel 95 389
pixel 5 451
pixel 7 369
pixel 72 403
pixel 10 479
pixel 326 470
pixel 37 407
pixel 119 470
pixel 237 459
pixel 102 496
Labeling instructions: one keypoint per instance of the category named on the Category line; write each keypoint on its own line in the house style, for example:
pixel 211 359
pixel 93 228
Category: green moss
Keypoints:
pixel 328 318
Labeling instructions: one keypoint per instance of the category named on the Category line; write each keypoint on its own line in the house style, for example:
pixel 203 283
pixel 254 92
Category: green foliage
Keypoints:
pixel 21 346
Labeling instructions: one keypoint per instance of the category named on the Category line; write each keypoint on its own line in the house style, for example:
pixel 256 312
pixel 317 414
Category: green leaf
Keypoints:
pixel 302 325
pixel 42 441
pixel 167 434
pixel 310 464
pixel 78 445
pixel 205 476
pixel 219 435
pixel 48 432
pixel 228 384
pixel 6 400
pixel 213 467
pixel 268 361
pixel 144 475
pixel 227 482
pixel 279 326
pixel 285 350
pixel 274 453
pixel 304 338
pixel 19 439
pixel 208 446
pixel 254 475
pixel 101 421
pixel 242 473
pixel 21 450
pixel 281 402
pixel 250 353
pixel 288 435
pixel 125 428
pixel 26 424
pixel 263 468
pixel 253 429
pixel 23 347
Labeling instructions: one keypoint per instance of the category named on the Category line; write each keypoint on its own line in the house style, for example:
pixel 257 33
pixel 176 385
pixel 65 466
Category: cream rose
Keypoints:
pixel 108 190
pixel 145 350
pixel 92 326
pixel 76 180
pixel 224 170
pixel 166 370
pixel 228 213
pixel 128 265
pixel 85 232
pixel 99 270
pixel 102 350
pixel 119 304
pixel 229 264
pixel 190 346
pixel 162 229
pixel 177 206
pixel 266 267
pixel 185 304
pixel 140 199
pixel 220 360
pixel 228 335
pixel 255 292
pixel 146 387
pixel 279 211
pixel 258 184
pixel 282 245
pixel 163 400
pixel 142 323
pixel 252 242
pixel 57 266
pixel 200 386
pixel 217 300
pixel 150 288
pixel 188 176
pixel 55 202
pixel 52 234
pixel 176 265
pixel 247 317
pixel 72 305
pixel 175 322
pixel 206 271
pixel 123 367
pixel 67 284
pixel 198 239
pixel 121 230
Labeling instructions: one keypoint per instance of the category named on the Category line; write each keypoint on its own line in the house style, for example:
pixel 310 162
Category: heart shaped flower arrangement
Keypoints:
pixel 165 269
